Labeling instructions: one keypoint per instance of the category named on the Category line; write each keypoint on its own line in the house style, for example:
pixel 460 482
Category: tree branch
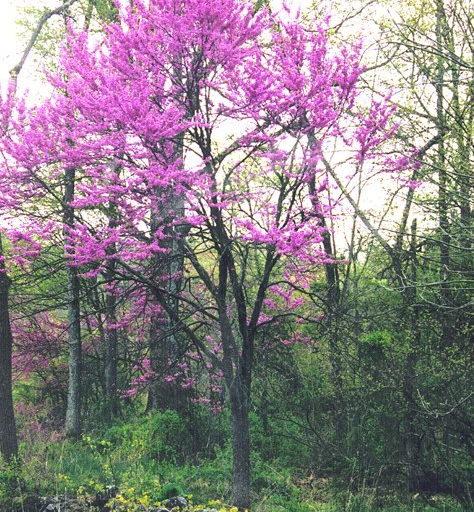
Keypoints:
pixel 362 216
pixel 15 71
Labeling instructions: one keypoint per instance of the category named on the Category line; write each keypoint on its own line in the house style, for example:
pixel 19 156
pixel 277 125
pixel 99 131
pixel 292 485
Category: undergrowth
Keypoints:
pixel 143 458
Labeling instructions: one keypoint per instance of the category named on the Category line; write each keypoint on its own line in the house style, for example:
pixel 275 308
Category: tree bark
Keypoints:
pixel 241 483
pixel 409 378
pixel 8 440
pixel 111 339
pixel 111 334
pixel 443 181
pixel 164 342
pixel 74 398
pixel 333 306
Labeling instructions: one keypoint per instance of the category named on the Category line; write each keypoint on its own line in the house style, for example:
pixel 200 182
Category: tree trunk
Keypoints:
pixel 73 410
pixel 164 341
pixel 111 334
pixel 443 185
pixel 8 440
pixel 111 347
pixel 241 486
pixel 409 379
pixel 162 395
pixel 333 298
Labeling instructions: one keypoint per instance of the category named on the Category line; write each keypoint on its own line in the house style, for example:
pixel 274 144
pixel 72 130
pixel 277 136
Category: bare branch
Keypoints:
pixel 15 71
pixel 362 216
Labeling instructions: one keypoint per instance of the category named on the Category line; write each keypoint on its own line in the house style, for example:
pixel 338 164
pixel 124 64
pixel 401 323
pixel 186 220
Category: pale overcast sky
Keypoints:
pixel 11 49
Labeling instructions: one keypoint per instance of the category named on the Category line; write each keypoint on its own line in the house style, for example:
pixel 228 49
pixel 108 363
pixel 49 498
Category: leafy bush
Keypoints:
pixel 11 482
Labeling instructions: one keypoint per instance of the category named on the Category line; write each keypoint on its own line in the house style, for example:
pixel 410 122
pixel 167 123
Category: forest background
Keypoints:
pixel 315 355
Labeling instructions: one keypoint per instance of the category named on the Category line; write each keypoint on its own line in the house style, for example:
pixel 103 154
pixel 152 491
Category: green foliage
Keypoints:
pixel 377 340
pixel 161 436
pixel 139 456
pixel 106 10
pixel 171 490
pixel 124 456
pixel 11 482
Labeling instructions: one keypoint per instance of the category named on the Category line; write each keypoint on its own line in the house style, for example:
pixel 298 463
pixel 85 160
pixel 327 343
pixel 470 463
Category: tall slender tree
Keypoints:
pixel 8 439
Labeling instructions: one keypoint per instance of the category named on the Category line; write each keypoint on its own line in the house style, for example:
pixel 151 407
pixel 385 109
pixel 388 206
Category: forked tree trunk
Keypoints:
pixel 8 440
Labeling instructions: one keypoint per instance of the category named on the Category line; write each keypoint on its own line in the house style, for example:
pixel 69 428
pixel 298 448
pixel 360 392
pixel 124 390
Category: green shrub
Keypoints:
pixel 11 483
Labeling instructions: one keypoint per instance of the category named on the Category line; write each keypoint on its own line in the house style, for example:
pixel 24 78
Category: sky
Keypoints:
pixel 11 48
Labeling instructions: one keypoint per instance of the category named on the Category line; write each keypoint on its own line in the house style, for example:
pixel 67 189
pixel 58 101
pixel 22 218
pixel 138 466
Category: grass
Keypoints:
pixel 138 458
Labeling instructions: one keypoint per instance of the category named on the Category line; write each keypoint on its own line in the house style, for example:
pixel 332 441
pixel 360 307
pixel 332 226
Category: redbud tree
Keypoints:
pixel 196 131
